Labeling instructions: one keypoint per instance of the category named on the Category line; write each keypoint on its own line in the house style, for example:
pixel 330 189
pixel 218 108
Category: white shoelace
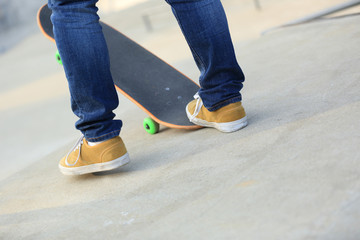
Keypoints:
pixel 198 106
pixel 78 145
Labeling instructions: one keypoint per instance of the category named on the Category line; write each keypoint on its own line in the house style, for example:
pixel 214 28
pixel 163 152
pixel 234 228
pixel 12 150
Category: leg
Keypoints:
pixel 84 53
pixel 204 25
pixel 85 57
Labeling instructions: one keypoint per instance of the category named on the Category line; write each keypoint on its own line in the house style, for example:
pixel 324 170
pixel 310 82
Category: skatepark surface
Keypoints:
pixel 293 173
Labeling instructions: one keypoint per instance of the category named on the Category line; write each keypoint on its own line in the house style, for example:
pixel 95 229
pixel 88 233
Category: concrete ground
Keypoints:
pixel 293 173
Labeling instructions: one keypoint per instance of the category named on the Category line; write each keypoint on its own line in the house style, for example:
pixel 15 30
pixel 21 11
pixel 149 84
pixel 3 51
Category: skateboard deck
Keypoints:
pixel 157 88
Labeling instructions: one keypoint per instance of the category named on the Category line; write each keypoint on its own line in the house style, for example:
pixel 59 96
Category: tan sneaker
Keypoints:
pixel 226 119
pixel 104 156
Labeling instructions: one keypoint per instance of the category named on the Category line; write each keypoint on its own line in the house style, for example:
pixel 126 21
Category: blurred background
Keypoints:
pixel 249 17
pixel 35 116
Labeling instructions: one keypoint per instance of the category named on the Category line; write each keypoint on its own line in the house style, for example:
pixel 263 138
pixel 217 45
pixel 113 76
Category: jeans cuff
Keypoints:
pixel 103 137
pixel 224 103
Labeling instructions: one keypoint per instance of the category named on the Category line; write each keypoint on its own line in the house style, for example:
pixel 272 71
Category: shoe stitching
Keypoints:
pixel 226 111
pixel 107 149
pixel 221 115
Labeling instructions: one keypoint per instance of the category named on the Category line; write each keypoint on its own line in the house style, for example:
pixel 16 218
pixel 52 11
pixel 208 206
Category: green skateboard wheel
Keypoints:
pixel 58 58
pixel 151 126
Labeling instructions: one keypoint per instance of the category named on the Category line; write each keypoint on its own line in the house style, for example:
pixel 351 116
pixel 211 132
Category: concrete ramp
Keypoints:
pixel 293 173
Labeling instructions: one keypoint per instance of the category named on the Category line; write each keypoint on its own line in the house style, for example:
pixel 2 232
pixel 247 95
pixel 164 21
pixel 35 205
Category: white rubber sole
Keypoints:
pixel 222 127
pixel 98 167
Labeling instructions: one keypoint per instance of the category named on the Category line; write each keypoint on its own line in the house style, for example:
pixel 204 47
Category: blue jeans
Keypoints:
pixel 85 57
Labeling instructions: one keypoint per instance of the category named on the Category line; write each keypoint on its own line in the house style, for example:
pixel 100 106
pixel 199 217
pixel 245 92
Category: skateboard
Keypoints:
pixel 160 90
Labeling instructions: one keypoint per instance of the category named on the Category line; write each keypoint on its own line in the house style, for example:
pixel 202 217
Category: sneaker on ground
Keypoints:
pixel 104 156
pixel 226 119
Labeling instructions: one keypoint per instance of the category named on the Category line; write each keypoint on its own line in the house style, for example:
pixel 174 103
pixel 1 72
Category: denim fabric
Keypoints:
pixel 205 27
pixel 85 58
